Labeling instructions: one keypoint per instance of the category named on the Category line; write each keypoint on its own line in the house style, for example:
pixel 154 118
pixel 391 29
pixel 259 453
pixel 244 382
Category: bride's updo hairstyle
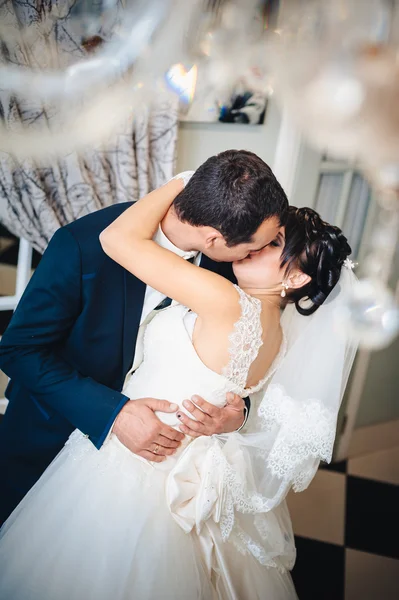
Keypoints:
pixel 318 249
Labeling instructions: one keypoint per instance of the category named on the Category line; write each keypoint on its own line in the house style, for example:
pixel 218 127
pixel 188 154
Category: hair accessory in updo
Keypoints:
pixel 349 264
pixel 319 250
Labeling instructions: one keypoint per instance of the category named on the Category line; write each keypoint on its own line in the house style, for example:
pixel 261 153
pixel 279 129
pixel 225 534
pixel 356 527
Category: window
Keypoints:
pixel 344 198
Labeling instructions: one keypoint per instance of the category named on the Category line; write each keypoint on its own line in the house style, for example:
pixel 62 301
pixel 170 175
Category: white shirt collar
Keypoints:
pixel 161 239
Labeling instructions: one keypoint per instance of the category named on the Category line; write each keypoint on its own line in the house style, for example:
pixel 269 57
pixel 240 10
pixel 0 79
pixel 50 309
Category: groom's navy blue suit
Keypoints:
pixel 67 350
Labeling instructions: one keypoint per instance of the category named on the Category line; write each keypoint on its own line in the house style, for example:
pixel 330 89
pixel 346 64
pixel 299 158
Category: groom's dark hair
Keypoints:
pixel 233 192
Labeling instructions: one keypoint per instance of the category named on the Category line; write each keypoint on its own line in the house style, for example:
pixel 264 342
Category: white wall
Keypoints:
pixel 199 141
pixel 306 177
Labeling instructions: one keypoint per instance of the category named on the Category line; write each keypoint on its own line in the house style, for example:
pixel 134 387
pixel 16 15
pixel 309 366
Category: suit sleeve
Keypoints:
pixel 43 319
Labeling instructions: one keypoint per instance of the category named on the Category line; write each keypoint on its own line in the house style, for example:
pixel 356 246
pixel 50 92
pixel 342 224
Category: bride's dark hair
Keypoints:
pixel 318 249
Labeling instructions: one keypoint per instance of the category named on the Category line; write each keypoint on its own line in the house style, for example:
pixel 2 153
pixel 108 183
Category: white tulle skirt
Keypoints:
pixel 96 527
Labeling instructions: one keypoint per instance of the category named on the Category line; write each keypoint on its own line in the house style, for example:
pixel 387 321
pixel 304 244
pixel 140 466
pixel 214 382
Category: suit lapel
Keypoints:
pixel 133 307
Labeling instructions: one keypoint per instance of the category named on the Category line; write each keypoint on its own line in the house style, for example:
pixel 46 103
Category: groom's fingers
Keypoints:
pixel 167 443
pixel 197 413
pixel 161 405
pixel 191 432
pixel 235 401
pixel 169 432
pixel 194 426
pixel 151 456
pixel 161 450
pixel 206 407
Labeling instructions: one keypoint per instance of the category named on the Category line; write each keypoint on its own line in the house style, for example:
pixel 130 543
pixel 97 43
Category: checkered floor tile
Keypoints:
pixel 319 572
pixel 348 532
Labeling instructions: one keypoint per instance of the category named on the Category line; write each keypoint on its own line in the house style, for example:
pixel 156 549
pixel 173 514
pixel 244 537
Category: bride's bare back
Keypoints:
pixel 214 338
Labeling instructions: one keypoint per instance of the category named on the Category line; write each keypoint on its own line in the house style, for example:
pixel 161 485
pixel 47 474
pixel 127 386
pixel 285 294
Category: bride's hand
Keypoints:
pixel 209 419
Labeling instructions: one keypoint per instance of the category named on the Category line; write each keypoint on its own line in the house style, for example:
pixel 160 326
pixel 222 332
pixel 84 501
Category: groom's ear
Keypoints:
pixel 212 237
pixel 298 279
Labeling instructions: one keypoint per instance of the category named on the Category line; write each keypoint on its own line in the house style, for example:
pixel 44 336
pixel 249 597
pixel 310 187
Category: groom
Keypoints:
pixel 77 332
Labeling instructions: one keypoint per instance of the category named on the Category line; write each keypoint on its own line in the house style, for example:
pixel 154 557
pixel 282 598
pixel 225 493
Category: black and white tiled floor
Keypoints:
pixel 347 531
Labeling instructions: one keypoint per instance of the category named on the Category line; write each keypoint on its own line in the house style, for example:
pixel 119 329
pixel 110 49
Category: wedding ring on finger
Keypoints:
pixel 156 448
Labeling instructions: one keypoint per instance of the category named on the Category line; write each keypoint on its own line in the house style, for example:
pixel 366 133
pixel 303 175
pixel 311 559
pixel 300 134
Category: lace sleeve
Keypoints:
pixel 245 340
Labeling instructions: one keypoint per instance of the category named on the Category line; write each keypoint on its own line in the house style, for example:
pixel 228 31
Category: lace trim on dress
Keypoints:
pixel 244 343
pixel 238 498
pixel 294 436
pixel 229 493
pixel 306 434
pixel 245 340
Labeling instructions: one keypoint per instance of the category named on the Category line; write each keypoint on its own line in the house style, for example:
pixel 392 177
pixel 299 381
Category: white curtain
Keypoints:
pixel 36 200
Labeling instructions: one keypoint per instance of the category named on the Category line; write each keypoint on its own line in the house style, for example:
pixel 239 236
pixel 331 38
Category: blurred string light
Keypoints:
pixel 336 68
pixel 333 65
pixel 88 95
pixel 182 81
pixel 130 53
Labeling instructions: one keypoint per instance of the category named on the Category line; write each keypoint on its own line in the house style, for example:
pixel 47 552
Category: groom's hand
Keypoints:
pixel 210 419
pixel 140 430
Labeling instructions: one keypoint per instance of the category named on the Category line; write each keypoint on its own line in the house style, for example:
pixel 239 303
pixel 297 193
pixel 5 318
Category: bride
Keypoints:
pixel 209 522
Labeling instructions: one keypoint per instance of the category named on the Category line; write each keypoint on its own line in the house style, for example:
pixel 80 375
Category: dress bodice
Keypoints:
pixel 172 370
pixel 224 480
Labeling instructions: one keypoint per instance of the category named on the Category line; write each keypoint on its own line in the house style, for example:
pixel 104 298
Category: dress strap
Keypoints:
pixel 245 340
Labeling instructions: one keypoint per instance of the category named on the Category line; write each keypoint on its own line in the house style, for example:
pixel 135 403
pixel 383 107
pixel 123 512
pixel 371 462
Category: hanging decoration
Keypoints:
pixel 333 65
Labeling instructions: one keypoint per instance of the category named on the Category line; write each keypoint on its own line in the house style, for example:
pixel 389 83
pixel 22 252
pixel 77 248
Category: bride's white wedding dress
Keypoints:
pixel 208 523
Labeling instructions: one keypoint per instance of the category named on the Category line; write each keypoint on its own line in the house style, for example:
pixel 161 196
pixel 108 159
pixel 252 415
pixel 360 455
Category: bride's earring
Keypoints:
pixel 285 287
